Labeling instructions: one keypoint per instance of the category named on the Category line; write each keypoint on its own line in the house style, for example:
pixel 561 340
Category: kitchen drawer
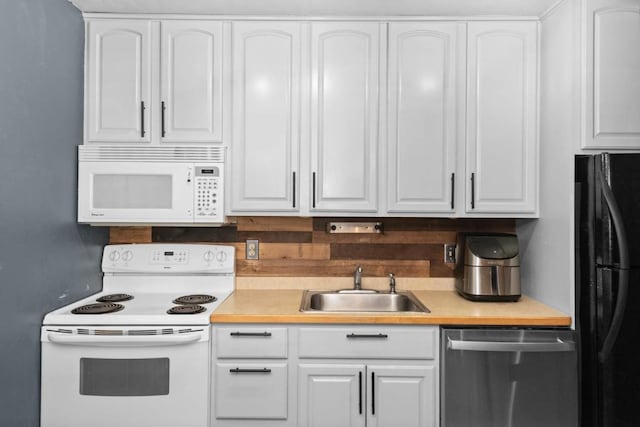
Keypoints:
pixel 251 342
pixel 368 342
pixel 249 391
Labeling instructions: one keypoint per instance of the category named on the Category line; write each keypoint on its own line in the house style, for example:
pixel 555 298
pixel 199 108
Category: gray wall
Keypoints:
pixel 46 259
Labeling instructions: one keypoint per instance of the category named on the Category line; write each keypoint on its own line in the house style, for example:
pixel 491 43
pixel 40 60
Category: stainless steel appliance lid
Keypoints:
pixel 493 246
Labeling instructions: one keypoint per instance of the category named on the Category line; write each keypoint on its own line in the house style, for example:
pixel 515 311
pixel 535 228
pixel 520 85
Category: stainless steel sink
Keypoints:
pixel 336 301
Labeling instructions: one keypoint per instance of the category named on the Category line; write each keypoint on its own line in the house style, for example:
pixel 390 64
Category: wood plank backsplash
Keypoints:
pixel 300 247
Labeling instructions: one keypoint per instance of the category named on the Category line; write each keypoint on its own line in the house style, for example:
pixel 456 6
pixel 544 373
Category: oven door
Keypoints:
pixel 109 380
pixel 132 192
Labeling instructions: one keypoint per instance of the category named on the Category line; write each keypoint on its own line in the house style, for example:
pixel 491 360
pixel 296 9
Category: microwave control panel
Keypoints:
pixel 209 194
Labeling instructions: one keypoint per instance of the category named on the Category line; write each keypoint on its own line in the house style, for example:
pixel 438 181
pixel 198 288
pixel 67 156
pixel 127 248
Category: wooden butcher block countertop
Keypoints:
pixel 446 306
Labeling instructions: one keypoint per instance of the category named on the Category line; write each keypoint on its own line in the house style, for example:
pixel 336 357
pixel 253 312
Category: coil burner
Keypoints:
pixel 115 298
pixel 186 309
pixel 99 308
pixel 195 299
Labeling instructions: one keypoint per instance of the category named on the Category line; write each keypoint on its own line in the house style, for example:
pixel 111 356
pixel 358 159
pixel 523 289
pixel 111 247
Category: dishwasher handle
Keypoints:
pixel 532 346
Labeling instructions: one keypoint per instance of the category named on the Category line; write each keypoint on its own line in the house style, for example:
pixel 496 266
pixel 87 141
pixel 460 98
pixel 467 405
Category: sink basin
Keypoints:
pixel 333 301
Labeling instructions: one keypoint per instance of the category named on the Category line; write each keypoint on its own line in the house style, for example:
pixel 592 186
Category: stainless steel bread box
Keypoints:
pixel 488 267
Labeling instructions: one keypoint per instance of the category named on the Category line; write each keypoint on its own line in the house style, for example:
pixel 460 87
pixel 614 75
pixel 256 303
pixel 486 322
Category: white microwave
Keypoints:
pixel 160 185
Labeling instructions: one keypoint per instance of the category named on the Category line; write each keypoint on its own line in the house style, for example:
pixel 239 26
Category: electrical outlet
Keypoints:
pixel 252 249
pixel 449 253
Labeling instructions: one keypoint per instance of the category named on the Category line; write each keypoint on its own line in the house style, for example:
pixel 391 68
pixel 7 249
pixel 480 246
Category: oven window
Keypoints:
pixel 124 377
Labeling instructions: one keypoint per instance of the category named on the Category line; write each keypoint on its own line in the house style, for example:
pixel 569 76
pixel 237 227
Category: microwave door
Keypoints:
pixel 135 192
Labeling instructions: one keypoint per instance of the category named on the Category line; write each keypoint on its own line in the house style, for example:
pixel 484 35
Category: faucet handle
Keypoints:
pixel 392 283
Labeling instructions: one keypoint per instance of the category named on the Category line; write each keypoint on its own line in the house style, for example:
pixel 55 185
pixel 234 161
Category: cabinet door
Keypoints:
pixel 344 116
pixel 422 117
pixel 612 95
pixel 402 396
pixel 191 74
pixel 118 81
pixel 501 117
pixel 331 395
pixel 266 119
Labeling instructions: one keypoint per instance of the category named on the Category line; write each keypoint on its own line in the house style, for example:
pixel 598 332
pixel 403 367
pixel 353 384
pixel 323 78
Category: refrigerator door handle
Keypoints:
pixel 623 281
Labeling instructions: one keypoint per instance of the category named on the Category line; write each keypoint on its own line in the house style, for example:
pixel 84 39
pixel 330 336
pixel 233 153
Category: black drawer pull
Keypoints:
pixel 367 336
pixel 250 371
pixel 250 334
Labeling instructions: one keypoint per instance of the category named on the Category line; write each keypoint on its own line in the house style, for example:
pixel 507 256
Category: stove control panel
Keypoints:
pixel 170 257
pixel 178 258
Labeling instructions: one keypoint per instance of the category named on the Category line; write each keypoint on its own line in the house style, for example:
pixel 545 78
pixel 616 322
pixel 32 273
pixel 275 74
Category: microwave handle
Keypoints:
pixel 122 341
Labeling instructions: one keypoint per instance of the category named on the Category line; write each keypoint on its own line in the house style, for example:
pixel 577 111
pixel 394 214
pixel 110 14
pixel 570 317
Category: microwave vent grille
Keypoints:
pixel 165 154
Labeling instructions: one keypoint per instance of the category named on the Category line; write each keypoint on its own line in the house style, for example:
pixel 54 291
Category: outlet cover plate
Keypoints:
pixel 252 249
pixel 449 253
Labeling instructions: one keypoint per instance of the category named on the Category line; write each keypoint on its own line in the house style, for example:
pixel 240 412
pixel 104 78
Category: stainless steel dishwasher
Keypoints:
pixel 509 378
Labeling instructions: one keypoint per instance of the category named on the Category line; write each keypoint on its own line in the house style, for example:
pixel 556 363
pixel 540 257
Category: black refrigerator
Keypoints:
pixel 608 288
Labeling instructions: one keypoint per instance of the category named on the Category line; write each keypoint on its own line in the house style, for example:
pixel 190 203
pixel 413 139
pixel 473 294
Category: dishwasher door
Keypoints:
pixel 509 378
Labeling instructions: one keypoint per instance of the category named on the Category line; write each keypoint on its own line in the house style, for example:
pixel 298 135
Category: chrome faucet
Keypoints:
pixel 357 278
pixel 392 283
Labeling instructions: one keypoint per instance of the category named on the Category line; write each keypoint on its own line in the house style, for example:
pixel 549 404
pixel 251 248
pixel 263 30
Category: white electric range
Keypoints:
pixel 141 345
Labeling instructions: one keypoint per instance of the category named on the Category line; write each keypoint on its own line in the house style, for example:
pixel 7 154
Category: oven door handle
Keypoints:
pixel 122 340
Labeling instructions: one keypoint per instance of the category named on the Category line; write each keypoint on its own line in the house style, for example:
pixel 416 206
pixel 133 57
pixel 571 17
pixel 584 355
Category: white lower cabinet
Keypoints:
pixel 402 396
pixel 383 376
pixel 331 395
pixel 325 375
pixel 250 376
pixel 371 395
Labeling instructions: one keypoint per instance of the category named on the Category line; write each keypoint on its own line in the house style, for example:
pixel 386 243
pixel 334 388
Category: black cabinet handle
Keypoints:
pixel 313 178
pixel 453 189
pixel 142 132
pixel 250 371
pixel 367 336
pixel 294 189
pixel 250 334
pixel 360 392
pixel 162 109
pixel 373 393
pixel 473 190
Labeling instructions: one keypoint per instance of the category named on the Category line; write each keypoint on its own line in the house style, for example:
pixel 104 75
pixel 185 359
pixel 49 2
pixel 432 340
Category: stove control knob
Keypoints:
pixel 127 255
pixel 208 256
pixel 221 256
pixel 114 256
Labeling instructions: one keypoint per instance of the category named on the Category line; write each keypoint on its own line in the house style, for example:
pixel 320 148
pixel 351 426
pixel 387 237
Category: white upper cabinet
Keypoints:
pixel 345 62
pixel 502 146
pixel 422 134
pixel 153 82
pixel 118 81
pixel 266 116
pixel 191 75
pixel 352 118
pixel 612 98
